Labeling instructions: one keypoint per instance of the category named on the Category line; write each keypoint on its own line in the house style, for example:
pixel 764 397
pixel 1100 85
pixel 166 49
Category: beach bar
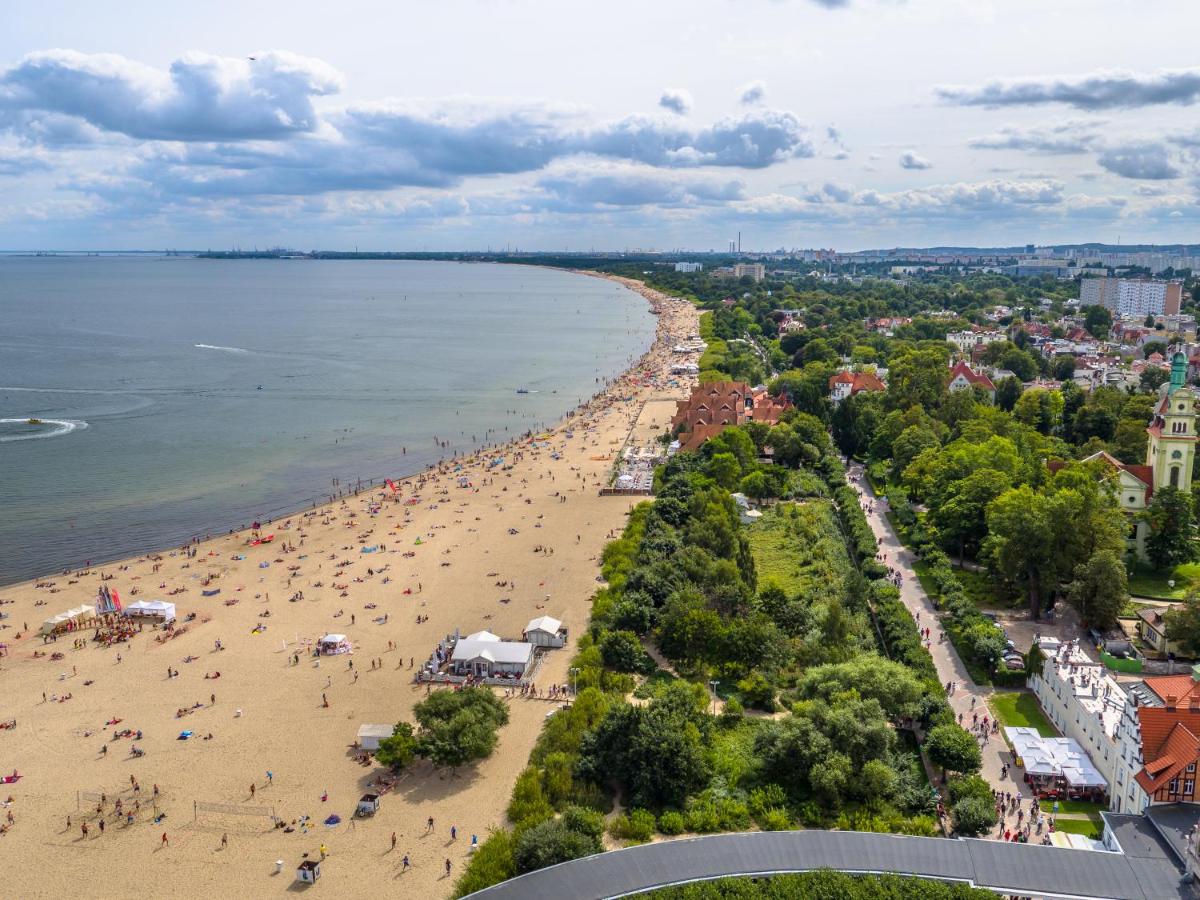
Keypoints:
pixel 484 655
pixel 546 631
pixel 1056 766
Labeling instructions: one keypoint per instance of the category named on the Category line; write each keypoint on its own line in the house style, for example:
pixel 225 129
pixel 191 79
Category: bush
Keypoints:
pixel 637 827
pixel 551 842
pixel 732 714
pixel 971 786
pixel 491 864
pixel 757 691
pixel 623 651
pixel 528 805
pixel 973 816
pixel 672 822
pixel 775 820
pixel 954 749
pixel 703 818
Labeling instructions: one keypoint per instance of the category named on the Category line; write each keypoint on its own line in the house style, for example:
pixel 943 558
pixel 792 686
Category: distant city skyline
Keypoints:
pixel 548 125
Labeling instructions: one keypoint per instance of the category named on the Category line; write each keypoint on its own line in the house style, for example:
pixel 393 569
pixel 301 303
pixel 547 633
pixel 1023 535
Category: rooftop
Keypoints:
pixel 1002 866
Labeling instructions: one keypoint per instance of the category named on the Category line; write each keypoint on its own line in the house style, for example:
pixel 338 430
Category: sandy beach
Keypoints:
pixel 521 540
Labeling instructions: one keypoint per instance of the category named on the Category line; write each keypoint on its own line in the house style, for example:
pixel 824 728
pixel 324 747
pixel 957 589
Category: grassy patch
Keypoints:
pixel 1086 827
pixel 654 684
pixel 1018 709
pixel 798 547
pixel 1092 810
pixel 1155 586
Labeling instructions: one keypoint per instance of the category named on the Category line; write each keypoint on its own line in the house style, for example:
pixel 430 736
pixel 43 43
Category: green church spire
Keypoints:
pixel 1178 372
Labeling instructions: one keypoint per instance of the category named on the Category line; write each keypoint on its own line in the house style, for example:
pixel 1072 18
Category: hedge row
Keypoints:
pixel 979 640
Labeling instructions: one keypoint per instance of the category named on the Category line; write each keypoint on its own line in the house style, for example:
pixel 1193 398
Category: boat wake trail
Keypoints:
pixel 224 349
pixel 60 427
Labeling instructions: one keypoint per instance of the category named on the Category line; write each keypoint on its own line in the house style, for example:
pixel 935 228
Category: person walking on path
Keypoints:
pixel 393 840
pixel 165 842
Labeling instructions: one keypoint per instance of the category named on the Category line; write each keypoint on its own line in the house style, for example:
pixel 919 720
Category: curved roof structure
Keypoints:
pixel 1148 873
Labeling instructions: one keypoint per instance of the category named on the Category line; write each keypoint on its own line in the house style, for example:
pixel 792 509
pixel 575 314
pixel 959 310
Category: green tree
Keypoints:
pixel 1183 625
pixel 1151 347
pixel 918 377
pixel 1007 392
pixel 954 749
pixel 973 816
pixel 491 864
pixel 623 652
pixel 960 517
pixel 911 442
pixel 458 727
pixel 1152 378
pixel 1063 367
pixel 1020 364
pixel 397 751
pixel 1097 320
pixel 1019 545
pixel 723 468
pixel 1172 523
pixel 1099 589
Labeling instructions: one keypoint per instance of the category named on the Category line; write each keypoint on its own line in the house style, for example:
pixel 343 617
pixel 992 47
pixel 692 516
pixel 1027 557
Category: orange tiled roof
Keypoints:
pixel 979 380
pixel 1179 686
pixel 1169 744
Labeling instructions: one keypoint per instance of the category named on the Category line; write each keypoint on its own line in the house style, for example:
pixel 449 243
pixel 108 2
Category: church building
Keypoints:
pixel 1170 451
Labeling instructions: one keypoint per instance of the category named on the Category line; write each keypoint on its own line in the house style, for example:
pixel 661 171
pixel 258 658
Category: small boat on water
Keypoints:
pixel 525 391
pixel 33 421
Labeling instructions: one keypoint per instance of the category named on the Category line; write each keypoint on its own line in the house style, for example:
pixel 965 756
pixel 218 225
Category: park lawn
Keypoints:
pixel 1154 584
pixel 1019 709
pixel 1076 806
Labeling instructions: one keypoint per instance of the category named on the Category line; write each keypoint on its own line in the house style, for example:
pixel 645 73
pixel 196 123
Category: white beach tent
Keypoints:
pixel 544 631
pixel 333 643
pixel 79 614
pixel 156 608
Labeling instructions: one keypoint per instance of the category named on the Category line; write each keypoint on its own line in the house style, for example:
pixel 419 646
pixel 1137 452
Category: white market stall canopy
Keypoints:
pixel 1058 757
pixel 334 643
pixel 157 608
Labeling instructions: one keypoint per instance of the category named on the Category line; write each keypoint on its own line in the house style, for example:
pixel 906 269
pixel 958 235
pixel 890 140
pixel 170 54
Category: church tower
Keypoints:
pixel 1171 449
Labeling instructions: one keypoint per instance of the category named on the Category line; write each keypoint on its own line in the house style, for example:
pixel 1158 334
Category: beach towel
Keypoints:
pixel 183 735
pixel 210 593
pixel 334 819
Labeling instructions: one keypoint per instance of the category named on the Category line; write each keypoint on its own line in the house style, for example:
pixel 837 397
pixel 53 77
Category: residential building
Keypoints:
pixel 1083 702
pixel 757 271
pixel 962 378
pixel 1132 298
pixel 1036 268
pixel 1160 739
pixel 968 340
pixel 1152 629
pixel 847 384
pixel 715 406
pixel 689 267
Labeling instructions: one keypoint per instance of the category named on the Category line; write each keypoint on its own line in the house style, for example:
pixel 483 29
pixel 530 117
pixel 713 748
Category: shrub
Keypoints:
pixel 757 691
pixel 491 864
pixel 954 749
pixel 972 816
pixel 775 820
pixel 622 651
pixel 765 798
pixel 529 805
pixel 672 822
pixel 637 827
pixel 732 714
pixel 703 818
pixel 551 842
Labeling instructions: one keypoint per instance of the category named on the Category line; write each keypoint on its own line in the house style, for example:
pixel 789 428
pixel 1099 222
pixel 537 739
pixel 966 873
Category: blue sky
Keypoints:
pixel 551 124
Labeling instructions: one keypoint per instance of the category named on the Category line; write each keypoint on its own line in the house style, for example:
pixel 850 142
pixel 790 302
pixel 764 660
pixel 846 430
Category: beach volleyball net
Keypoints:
pixel 205 808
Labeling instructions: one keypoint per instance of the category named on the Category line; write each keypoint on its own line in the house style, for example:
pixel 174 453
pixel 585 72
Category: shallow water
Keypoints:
pixel 180 397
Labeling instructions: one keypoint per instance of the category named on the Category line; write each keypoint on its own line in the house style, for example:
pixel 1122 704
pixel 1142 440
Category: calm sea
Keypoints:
pixel 180 397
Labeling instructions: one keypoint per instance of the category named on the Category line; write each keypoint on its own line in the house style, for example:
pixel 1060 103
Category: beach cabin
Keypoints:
pixel 332 644
pixel 546 631
pixel 368 805
pixel 484 655
pixel 309 871
pixel 369 735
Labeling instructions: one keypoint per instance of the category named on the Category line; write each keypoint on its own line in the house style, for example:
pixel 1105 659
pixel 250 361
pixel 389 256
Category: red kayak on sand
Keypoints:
pixel 264 540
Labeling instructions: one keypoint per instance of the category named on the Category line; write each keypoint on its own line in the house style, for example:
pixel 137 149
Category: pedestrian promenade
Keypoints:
pixel 949 665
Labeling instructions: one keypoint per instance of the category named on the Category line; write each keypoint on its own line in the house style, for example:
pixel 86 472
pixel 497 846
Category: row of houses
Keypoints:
pixel 715 406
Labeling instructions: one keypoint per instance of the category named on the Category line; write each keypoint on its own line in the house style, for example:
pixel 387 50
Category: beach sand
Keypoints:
pixel 268 713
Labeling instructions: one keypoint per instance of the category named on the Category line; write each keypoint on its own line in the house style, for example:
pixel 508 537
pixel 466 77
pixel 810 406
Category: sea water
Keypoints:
pixel 178 397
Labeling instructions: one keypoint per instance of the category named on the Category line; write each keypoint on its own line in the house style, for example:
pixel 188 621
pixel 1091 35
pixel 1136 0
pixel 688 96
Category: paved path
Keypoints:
pixel 949 666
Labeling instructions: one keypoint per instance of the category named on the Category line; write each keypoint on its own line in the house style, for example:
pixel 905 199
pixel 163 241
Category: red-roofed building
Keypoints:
pixel 715 406
pixel 847 384
pixel 1169 732
pixel 963 377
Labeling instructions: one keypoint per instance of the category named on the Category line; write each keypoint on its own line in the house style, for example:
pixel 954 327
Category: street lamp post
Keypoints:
pixel 714 684
pixel 574 672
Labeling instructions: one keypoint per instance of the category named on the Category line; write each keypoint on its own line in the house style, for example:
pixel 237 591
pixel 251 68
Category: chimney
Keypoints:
pixel 1172 700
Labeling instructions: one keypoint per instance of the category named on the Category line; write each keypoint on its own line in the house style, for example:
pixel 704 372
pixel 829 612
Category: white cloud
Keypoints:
pixel 753 93
pixel 1105 89
pixel 909 159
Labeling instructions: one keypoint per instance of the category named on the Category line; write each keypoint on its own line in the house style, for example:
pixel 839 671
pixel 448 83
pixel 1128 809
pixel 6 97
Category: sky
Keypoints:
pixel 557 124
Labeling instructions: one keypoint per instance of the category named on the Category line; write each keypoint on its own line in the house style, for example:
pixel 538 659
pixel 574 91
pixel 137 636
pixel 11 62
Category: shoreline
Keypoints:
pixel 395 573
pixel 299 507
